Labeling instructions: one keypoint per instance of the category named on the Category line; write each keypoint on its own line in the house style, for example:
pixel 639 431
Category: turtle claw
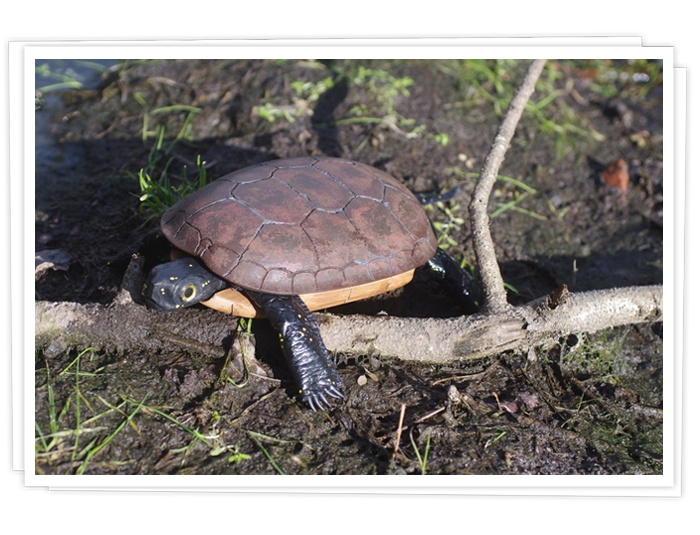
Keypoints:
pixel 335 392
pixel 319 402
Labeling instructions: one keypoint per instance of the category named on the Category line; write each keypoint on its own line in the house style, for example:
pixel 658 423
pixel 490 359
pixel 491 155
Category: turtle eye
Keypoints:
pixel 188 292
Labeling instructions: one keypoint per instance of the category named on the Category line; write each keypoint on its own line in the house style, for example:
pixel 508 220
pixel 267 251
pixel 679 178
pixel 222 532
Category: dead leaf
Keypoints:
pixel 617 175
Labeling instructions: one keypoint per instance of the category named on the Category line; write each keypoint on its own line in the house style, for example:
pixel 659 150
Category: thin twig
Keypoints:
pixel 495 294
pixel 429 415
pixel 400 429
pixel 415 422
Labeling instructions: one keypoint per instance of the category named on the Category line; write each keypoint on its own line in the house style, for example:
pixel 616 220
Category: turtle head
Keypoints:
pixel 181 283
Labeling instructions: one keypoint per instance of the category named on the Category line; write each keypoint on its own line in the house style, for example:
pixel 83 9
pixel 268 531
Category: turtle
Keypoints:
pixel 286 237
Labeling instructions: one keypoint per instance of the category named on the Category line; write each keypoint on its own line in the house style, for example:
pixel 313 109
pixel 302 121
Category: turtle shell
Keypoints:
pixel 302 226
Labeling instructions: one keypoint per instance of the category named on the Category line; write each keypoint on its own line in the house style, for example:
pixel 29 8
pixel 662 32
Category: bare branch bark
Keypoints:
pixel 489 272
pixel 130 327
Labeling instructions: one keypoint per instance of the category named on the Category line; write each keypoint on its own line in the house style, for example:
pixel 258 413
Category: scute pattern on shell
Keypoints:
pixel 303 225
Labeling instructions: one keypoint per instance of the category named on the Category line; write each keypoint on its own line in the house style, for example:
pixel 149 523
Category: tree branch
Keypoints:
pixel 489 272
pixel 130 327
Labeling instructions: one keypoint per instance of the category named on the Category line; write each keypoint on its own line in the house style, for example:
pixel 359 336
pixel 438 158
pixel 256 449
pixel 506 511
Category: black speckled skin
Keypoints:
pixel 460 284
pixel 180 283
pixel 312 366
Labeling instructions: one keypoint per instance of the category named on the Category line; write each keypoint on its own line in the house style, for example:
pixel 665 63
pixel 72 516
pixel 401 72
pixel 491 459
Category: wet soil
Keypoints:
pixel 592 405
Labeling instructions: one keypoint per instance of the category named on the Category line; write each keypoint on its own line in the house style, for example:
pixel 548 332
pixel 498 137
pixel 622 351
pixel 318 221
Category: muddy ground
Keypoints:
pixel 592 405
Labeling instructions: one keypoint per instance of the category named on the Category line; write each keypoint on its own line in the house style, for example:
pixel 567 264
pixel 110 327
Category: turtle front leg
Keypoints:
pixel 459 283
pixel 311 364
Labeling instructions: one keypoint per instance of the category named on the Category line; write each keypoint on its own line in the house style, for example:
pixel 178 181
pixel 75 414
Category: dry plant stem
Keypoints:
pixel 495 294
pixel 400 428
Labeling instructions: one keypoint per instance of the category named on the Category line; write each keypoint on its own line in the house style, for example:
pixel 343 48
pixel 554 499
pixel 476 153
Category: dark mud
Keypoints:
pixel 591 406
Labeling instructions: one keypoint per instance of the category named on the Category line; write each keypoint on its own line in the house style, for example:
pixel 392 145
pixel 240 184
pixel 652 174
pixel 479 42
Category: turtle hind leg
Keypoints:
pixel 313 368
pixel 460 284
